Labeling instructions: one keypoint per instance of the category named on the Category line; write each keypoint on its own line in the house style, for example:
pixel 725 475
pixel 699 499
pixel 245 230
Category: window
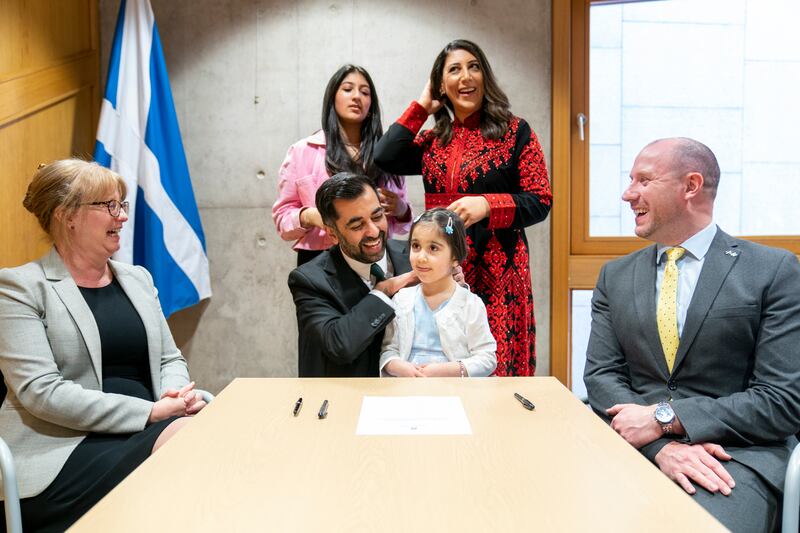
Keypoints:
pixel 724 72
pixel 581 311
pixel 719 71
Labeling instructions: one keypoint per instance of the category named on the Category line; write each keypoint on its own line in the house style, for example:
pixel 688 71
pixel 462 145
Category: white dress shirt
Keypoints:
pixel 362 269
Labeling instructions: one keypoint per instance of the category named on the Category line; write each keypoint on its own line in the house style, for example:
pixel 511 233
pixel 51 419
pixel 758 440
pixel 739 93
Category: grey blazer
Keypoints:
pixel 51 360
pixel 736 378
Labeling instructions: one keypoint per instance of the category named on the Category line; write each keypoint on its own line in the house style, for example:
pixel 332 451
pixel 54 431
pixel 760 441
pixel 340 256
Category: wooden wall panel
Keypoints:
pixel 560 338
pixel 49 103
pixel 59 130
pixel 42 33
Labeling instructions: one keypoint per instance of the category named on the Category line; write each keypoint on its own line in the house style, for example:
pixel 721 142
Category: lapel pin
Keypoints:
pixel 731 253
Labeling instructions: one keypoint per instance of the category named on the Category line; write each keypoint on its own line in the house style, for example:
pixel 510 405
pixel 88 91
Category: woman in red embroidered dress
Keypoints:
pixel 486 165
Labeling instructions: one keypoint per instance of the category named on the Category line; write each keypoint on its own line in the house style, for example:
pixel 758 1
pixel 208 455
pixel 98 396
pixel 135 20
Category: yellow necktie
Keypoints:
pixel 667 309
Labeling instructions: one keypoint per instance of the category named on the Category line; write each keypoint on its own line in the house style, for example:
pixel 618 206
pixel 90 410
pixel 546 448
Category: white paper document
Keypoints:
pixel 413 415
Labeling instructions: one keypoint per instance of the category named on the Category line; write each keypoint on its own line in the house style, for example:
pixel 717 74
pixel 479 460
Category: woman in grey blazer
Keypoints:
pixel 95 381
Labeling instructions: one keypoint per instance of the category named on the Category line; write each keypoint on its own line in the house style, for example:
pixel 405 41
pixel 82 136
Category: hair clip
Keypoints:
pixel 41 166
pixel 417 218
pixel 449 227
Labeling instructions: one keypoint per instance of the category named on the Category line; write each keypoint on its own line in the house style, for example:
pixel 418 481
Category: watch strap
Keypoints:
pixel 666 428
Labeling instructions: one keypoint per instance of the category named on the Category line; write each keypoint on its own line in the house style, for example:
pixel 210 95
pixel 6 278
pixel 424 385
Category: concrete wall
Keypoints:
pixel 248 77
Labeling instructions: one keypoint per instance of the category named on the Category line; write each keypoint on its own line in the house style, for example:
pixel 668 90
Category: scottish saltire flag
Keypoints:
pixel 138 137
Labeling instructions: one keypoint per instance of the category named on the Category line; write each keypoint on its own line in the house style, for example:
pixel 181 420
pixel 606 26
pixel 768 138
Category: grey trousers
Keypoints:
pixel 752 506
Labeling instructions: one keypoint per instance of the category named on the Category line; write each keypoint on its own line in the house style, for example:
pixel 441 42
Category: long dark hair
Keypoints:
pixel 337 158
pixel 495 111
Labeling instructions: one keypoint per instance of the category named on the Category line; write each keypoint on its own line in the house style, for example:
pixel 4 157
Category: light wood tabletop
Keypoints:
pixel 246 464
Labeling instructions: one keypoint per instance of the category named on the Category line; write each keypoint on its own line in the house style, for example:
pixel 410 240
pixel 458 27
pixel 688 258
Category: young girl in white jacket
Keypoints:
pixel 440 328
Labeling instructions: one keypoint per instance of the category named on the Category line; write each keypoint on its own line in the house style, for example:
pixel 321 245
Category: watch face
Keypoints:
pixel 664 414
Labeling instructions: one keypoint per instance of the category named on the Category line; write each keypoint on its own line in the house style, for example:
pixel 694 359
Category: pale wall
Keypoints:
pixel 248 77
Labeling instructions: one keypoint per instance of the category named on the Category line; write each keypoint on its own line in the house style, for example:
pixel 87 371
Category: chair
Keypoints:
pixel 7 470
pixel 791 493
pixel 11 498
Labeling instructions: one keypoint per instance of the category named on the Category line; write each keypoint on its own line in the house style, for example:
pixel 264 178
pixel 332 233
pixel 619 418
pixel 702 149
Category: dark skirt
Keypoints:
pixel 97 465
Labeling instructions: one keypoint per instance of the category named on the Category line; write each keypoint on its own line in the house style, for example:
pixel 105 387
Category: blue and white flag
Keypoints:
pixel 138 137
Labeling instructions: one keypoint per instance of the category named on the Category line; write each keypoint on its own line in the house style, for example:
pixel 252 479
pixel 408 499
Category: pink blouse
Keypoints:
pixel 301 173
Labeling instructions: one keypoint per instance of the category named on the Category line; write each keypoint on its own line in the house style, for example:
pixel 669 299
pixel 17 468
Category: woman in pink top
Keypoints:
pixel 351 126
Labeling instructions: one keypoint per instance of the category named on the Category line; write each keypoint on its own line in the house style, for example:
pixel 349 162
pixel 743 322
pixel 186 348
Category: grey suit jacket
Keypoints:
pixel 736 378
pixel 51 360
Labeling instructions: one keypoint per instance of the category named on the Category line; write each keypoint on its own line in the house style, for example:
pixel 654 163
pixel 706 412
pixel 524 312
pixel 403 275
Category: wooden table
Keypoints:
pixel 245 464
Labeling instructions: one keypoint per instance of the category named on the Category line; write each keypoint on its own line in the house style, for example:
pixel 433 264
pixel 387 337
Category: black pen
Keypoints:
pixel 297 405
pixel 323 411
pixel 527 404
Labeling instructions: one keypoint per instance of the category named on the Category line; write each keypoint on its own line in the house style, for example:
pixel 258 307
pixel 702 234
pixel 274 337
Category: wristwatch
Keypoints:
pixel 665 416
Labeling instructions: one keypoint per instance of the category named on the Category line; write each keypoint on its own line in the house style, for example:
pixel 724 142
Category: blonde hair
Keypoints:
pixel 63 186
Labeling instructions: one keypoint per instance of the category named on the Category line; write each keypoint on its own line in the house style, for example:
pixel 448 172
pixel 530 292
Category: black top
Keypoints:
pixel 123 341
pixel 511 174
pixel 101 460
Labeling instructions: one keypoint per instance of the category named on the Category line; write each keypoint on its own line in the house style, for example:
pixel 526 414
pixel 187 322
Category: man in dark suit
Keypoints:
pixel 694 353
pixel 343 301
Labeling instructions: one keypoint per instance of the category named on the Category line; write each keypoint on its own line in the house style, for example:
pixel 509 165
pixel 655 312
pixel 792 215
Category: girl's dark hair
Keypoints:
pixel 337 158
pixel 495 111
pixel 443 218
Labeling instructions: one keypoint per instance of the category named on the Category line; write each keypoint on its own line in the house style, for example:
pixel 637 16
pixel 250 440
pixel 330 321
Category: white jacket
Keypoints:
pixel 463 331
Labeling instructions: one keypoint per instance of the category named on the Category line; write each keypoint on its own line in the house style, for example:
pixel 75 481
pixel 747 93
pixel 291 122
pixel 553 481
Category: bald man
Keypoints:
pixel 694 353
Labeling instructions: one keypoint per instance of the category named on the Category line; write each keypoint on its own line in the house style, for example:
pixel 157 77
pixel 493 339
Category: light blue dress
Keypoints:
pixel 426 347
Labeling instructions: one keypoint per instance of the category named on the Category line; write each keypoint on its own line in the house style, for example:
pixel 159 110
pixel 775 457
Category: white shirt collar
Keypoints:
pixel 362 269
pixel 697 245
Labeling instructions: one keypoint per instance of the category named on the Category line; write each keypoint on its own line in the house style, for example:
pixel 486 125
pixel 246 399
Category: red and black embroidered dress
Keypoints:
pixel 512 175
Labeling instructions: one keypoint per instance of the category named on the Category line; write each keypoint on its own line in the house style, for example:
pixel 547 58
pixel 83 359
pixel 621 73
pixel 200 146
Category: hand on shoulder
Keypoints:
pixel 390 286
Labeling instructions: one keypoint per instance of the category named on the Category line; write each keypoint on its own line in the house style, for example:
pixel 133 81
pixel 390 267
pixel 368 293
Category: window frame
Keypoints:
pixel 576 256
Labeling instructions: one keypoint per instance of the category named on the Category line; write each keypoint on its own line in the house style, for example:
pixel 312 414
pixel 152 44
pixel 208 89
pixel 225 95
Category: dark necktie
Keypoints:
pixel 377 272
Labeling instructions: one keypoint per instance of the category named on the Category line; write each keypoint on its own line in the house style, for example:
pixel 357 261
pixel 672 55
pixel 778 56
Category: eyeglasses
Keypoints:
pixel 113 206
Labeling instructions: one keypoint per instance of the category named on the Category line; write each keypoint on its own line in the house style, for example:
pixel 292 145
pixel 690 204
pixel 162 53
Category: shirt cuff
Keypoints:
pixel 383 373
pixel 414 117
pixel 382 296
pixel 295 216
pixel 502 210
